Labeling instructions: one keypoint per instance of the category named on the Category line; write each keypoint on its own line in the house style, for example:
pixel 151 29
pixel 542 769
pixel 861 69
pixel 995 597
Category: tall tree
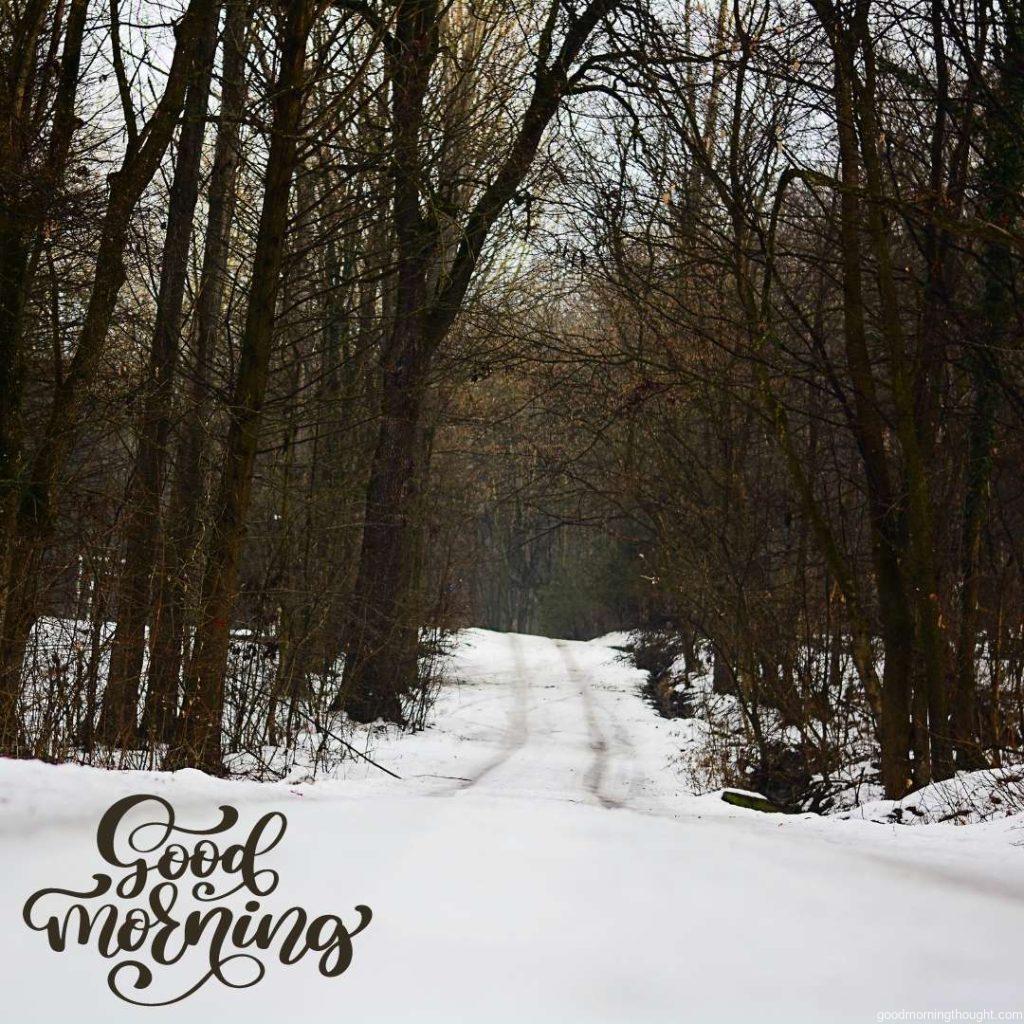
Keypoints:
pixel 199 736
pixel 146 478
pixel 180 540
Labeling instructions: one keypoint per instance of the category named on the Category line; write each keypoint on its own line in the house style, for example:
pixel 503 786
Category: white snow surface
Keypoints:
pixel 540 860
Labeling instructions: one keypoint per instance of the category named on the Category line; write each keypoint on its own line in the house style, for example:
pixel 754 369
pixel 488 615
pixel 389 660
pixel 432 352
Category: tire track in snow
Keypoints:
pixel 625 751
pixel 598 770
pixel 517 732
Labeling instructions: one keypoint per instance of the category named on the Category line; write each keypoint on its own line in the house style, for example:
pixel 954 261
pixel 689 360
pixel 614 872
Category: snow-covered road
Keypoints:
pixel 556 737
pixel 540 860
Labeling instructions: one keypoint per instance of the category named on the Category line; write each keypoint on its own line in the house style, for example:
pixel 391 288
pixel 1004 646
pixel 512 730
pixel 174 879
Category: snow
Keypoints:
pixel 989 795
pixel 542 860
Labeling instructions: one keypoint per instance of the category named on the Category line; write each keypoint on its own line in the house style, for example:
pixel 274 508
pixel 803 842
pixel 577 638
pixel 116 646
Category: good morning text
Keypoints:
pixel 155 860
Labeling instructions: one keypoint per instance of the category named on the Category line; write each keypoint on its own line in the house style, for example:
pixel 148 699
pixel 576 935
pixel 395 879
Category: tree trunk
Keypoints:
pixel 382 637
pixel 182 538
pixel 382 641
pixel 199 737
pixel 1002 181
pixel 919 567
pixel 142 528
pixel 24 202
pixel 869 429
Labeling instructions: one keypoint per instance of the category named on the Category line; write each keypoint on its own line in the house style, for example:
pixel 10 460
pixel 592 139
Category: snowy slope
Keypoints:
pixel 539 860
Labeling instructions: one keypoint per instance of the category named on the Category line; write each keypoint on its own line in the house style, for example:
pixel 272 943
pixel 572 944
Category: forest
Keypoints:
pixel 330 327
